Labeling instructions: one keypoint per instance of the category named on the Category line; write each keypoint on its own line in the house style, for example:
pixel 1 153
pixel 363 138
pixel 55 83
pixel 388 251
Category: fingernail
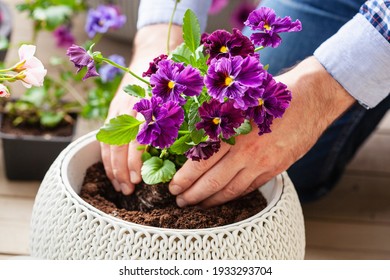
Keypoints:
pixel 134 178
pixel 126 190
pixel 181 202
pixel 116 185
pixel 175 189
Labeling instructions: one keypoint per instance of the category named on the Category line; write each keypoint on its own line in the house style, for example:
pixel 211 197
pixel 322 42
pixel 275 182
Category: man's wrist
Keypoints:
pixel 316 92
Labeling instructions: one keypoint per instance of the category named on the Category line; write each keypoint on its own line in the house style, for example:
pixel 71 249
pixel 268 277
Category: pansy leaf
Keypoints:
pixel 51 119
pixel 230 141
pixel 156 170
pixel 182 54
pixel 180 146
pixel 135 90
pixel 245 128
pixel 191 30
pixel 193 119
pixel 119 131
pixel 145 156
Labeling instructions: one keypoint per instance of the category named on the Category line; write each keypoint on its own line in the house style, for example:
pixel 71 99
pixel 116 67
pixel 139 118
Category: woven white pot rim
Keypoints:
pixel 79 144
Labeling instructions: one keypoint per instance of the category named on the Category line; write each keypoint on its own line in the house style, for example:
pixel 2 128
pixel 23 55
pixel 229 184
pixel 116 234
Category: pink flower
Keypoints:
pixel 32 72
pixel 4 92
pixel 217 6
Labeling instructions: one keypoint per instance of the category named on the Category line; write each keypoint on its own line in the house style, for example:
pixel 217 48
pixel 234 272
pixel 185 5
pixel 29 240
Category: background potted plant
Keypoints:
pixel 42 121
pixel 190 111
pixel 5 29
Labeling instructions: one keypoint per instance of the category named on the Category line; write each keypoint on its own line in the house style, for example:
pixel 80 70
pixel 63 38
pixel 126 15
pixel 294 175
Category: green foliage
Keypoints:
pixel 99 98
pixel 119 131
pixel 181 145
pixel 42 105
pixel 156 170
pixel 135 90
pixel 245 128
pixel 49 14
pixel 191 30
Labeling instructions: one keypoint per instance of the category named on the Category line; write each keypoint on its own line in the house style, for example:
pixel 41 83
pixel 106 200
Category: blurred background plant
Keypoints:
pixel 64 92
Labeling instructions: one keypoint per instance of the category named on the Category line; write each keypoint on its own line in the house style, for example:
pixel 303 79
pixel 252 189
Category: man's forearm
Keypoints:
pixel 318 100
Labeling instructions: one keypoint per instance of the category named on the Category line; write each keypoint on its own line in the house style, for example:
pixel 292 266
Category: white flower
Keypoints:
pixel 4 92
pixel 32 71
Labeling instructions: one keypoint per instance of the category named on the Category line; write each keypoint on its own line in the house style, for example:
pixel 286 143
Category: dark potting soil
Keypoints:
pixel 153 205
pixel 63 130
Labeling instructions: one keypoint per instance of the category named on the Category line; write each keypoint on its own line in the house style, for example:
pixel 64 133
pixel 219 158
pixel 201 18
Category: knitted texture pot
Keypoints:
pixel 66 227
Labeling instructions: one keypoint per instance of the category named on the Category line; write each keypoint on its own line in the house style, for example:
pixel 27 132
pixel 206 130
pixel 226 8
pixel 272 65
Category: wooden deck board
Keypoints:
pixel 348 235
pixel 15 216
pixel 355 198
pixel 351 222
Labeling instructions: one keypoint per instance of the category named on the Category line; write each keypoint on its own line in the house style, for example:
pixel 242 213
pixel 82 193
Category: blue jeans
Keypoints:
pixel 320 169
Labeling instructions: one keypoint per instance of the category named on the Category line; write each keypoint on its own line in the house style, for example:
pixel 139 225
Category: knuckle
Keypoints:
pixel 200 166
pixel 231 192
pixel 119 175
pixel 212 185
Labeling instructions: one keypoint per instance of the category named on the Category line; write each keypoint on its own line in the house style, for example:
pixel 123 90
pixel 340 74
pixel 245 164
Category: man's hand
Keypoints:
pixel 123 163
pixel 236 170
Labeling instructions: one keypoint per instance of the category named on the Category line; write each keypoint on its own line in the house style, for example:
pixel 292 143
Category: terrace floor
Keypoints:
pixel 352 222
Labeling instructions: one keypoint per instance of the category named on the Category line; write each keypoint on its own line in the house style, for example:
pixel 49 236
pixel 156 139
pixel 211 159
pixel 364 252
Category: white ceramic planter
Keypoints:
pixel 66 227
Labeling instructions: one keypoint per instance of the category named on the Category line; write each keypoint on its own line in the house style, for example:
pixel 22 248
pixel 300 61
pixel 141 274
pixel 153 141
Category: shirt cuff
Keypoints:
pixel 358 56
pixel 160 11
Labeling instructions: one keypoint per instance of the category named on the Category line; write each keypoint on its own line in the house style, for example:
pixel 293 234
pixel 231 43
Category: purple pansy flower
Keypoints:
pixel 162 122
pixel 219 119
pixel 267 102
pixel 103 18
pixel 265 21
pixel 80 58
pixel 231 78
pixel 108 72
pixel 153 66
pixel 241 13
pixel 173 79
pixel 203 150
pixel 64 37
pixel 221 43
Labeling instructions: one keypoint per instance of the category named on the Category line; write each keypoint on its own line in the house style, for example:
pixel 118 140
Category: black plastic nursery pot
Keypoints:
pixel 28 157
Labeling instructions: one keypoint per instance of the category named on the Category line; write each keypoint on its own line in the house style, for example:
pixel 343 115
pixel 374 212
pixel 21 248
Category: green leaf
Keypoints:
pixel 191 30
pixel 135 90
pixel 145 156
pixel 180 146
pixel 53 16
pixel 119 131
pixel 230 141
pixel 51 119
pixel 155 170
pixel 4 43
pixel 245 128
pixel 182 54
pixel 35 95
pixel 193 119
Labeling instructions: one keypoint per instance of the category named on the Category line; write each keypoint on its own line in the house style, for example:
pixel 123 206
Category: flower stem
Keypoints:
pixel 259 48
pixel 170 25
pixel 73 91
pixel 184 132
pixel 127 70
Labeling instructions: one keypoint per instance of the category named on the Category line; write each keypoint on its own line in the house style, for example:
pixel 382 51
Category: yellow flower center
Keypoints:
pixel 261 101
pixel 267 26
pixel 171 84
pixel 216 121
pixel 224 49
pixel 228 81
